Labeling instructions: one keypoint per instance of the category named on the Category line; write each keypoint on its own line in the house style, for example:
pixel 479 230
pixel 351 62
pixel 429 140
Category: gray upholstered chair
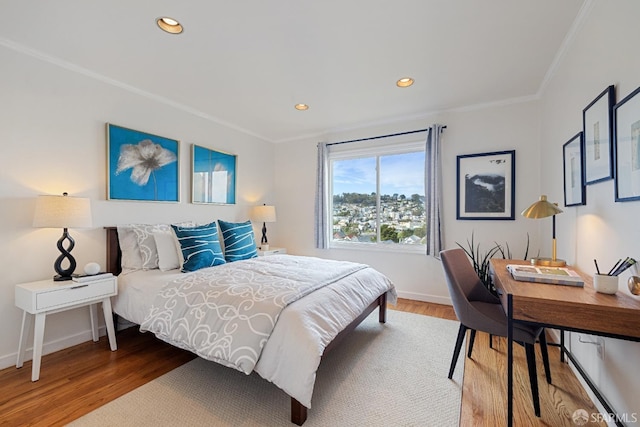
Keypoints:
pixel 478 309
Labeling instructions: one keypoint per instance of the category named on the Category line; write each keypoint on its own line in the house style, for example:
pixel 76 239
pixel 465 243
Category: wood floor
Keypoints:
pixel 79 379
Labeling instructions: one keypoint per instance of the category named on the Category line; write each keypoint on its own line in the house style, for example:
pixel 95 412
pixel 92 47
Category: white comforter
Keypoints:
pixel 291 356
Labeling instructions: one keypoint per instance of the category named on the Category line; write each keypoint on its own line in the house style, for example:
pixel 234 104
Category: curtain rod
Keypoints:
pixel 384 136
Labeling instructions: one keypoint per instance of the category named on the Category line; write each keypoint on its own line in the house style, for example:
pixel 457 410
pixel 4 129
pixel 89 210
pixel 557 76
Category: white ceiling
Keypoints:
pixel 245 63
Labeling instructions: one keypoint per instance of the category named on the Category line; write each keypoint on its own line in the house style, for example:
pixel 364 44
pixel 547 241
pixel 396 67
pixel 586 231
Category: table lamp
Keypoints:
pixel 542 209
pixel 63 212
pixel 264 214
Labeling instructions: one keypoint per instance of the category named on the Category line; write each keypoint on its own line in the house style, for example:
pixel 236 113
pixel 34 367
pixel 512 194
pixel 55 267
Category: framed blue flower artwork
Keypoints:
pixel 214 176
pixel 142 166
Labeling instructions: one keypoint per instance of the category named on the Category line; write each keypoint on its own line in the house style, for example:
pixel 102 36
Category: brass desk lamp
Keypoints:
pixel 542 209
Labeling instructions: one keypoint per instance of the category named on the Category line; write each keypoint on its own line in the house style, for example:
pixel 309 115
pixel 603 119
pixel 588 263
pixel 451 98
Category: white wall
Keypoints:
pixel 419 277
pixel 52 130
pixel 604 52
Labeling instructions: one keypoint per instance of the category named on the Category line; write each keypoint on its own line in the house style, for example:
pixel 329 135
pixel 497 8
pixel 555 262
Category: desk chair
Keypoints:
pixel 478 309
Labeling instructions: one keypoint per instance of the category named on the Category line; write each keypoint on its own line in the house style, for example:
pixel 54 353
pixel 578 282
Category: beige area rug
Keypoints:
pixel 380 375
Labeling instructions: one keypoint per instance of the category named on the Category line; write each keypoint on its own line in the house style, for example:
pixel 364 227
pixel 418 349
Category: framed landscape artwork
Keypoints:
pixel 574 187
pixel 597 128
pixel 486 186
pixel 627 148
pixel 214 176
pixel 142 166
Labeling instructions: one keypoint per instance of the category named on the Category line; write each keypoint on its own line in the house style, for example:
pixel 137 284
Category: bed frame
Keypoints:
pixel 298 411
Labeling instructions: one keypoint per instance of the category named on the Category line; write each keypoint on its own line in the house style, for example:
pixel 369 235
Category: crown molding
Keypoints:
pixel 124 86
pixel 582 16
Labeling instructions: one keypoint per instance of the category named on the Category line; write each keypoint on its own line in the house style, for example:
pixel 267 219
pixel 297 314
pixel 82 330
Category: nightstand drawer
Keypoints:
pixel 74 294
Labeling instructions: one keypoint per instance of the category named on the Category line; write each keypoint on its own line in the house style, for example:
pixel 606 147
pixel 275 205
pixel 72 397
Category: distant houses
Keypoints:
pixel 354 222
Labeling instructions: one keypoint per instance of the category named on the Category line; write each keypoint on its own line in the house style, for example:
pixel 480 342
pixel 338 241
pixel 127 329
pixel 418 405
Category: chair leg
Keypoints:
pixel 456 352
pixel 545 355
pixel 472 339
pixel 491 341
pixel 533 376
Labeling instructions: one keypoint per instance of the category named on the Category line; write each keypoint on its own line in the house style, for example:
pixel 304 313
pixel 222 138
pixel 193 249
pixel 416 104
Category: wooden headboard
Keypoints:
pixel 114 254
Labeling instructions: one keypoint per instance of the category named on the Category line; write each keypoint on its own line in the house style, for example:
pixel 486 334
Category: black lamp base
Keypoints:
pixel 64 273
pixel 264 234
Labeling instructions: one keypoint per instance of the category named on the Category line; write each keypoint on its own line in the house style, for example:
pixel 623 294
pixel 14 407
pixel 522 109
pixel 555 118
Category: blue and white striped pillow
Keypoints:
pixel 239 241
pixel 200 246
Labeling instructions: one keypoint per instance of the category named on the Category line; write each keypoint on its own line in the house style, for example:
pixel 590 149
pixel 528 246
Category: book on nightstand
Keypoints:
pixel 552 275
pixel 82 278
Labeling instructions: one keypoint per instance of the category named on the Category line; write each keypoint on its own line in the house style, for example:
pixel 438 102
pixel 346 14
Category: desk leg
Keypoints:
pixel 509 360
pixel 108 321
pixel 38 336
pixel 27 321
pixel 94 322
pixel 562 345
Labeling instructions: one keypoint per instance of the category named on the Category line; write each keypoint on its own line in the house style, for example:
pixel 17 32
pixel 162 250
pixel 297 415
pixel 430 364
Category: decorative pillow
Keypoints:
pixel 239 241
pixel 131 259
pixel 147 244
pixel 200 246
pixel 167 246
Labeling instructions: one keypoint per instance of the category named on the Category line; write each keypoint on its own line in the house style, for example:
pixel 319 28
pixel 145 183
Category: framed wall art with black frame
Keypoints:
pixel 486 186
pixel 626 117
pixel 597 128
pixel 573 159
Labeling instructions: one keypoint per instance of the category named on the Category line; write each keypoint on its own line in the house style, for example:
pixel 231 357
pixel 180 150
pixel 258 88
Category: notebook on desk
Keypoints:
pixel 550 275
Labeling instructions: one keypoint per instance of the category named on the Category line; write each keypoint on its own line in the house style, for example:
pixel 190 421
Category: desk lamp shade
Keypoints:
pixel 543 209
pixel 63 212
pixel 264 214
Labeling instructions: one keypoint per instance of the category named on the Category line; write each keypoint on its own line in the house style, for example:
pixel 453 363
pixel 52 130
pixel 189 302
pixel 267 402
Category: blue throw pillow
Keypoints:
pixel 200 246
pixel 239 242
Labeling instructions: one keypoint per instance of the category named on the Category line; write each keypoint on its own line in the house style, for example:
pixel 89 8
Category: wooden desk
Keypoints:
pixel 570 308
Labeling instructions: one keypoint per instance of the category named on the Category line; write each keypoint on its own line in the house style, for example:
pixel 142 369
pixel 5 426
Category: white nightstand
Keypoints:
pixel 272 251
pixel 48 297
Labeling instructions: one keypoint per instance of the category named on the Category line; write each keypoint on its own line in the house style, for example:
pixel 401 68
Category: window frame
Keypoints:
pixel 378 150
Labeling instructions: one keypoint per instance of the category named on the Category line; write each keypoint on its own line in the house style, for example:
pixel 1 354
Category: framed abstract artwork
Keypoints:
pixel 573 159
pixel 142 166
pixel 214 176
pixel 626 116
pixel 597 130
pixel 486 185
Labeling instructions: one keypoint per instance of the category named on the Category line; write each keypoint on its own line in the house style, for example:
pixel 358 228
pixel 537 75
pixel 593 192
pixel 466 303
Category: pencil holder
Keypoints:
pixel 605 284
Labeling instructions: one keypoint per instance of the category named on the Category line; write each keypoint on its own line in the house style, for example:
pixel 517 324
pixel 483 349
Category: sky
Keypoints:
pixel 400 173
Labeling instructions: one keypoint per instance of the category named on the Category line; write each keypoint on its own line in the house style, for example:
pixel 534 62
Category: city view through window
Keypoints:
pixel 394 215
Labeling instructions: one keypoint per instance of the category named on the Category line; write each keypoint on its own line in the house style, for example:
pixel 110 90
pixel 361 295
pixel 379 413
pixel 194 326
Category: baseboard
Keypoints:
pixel 587 389
pixel 425 298
pixel 51 346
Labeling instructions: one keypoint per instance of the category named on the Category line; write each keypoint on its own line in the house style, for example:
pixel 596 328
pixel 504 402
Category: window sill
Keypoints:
pixel 380 247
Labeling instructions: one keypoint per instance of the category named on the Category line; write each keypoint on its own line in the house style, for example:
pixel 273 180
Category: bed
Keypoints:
pixel 305 330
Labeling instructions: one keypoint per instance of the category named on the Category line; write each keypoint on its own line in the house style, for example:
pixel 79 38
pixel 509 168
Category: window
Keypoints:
pixel 377 196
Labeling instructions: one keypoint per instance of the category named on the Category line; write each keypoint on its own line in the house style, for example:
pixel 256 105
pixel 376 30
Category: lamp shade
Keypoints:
pixel 541 209
pixel 62 212
pixel 264 213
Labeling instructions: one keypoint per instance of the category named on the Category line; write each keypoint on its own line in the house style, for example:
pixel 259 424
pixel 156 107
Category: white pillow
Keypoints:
pixel 146 243
pixel 131 258
pixel 168 258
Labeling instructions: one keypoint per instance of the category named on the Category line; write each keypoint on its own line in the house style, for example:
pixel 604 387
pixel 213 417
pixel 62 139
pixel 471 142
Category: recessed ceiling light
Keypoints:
pixel 169 25
pixel 404 82
pixel 301 107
